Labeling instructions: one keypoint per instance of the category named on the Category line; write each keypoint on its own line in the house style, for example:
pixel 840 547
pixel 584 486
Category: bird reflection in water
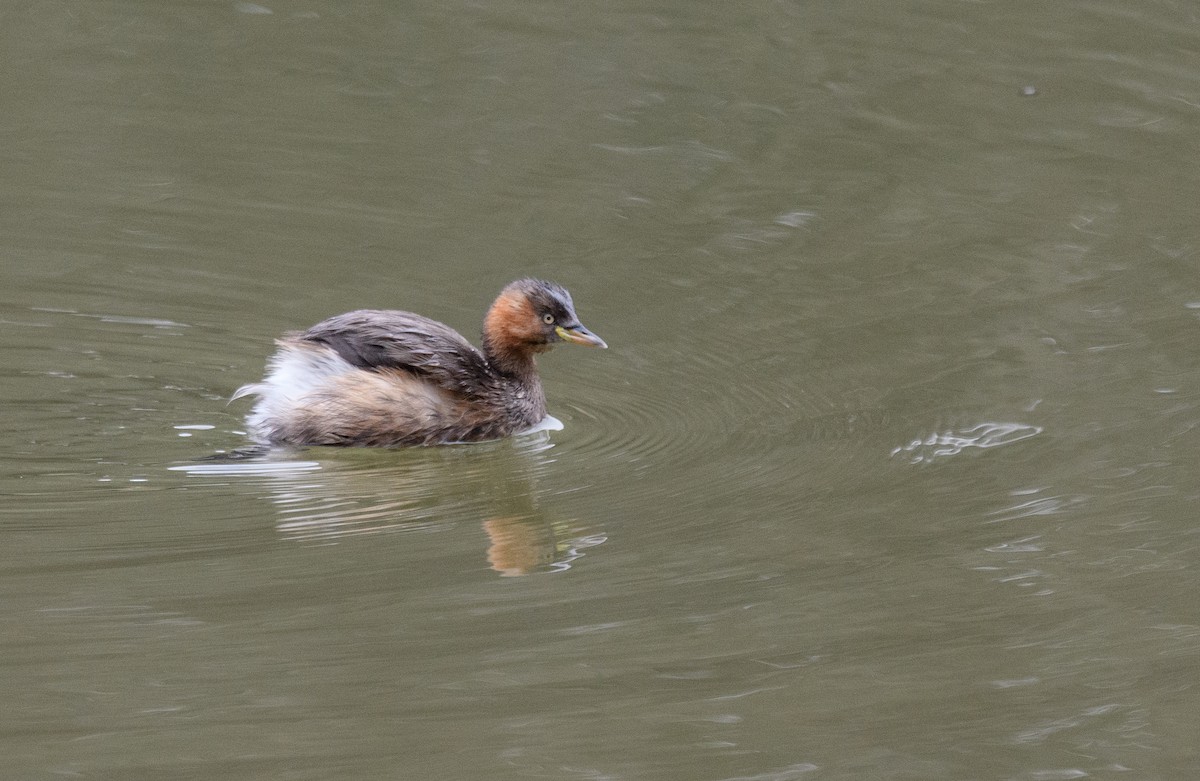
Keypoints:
pixel 363 492
pixel 521 545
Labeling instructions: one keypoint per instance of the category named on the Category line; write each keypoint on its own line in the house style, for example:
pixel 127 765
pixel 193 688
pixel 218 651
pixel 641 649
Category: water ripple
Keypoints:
pixel 953 442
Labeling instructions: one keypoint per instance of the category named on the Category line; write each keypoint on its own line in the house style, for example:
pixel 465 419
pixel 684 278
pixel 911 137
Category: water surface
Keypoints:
pixel 889 471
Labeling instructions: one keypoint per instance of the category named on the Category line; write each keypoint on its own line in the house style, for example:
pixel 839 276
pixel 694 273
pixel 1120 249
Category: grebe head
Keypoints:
pixel 531 315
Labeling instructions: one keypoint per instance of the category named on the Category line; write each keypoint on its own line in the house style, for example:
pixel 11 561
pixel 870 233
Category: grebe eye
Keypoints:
pixel 547 319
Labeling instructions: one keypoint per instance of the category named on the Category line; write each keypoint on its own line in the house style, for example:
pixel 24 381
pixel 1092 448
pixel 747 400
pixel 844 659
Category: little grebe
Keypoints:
pixel 388 378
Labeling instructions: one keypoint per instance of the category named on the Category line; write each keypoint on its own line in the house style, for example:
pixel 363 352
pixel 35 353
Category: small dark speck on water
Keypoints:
pixel 1029 90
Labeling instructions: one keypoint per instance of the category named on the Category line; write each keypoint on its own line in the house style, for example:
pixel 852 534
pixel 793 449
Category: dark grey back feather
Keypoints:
pixel 375 339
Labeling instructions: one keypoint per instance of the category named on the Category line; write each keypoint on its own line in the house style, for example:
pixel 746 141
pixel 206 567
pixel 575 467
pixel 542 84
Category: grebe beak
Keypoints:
pixel 579 335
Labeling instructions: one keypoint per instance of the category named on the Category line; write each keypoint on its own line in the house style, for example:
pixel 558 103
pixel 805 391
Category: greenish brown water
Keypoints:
pixel 889 473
